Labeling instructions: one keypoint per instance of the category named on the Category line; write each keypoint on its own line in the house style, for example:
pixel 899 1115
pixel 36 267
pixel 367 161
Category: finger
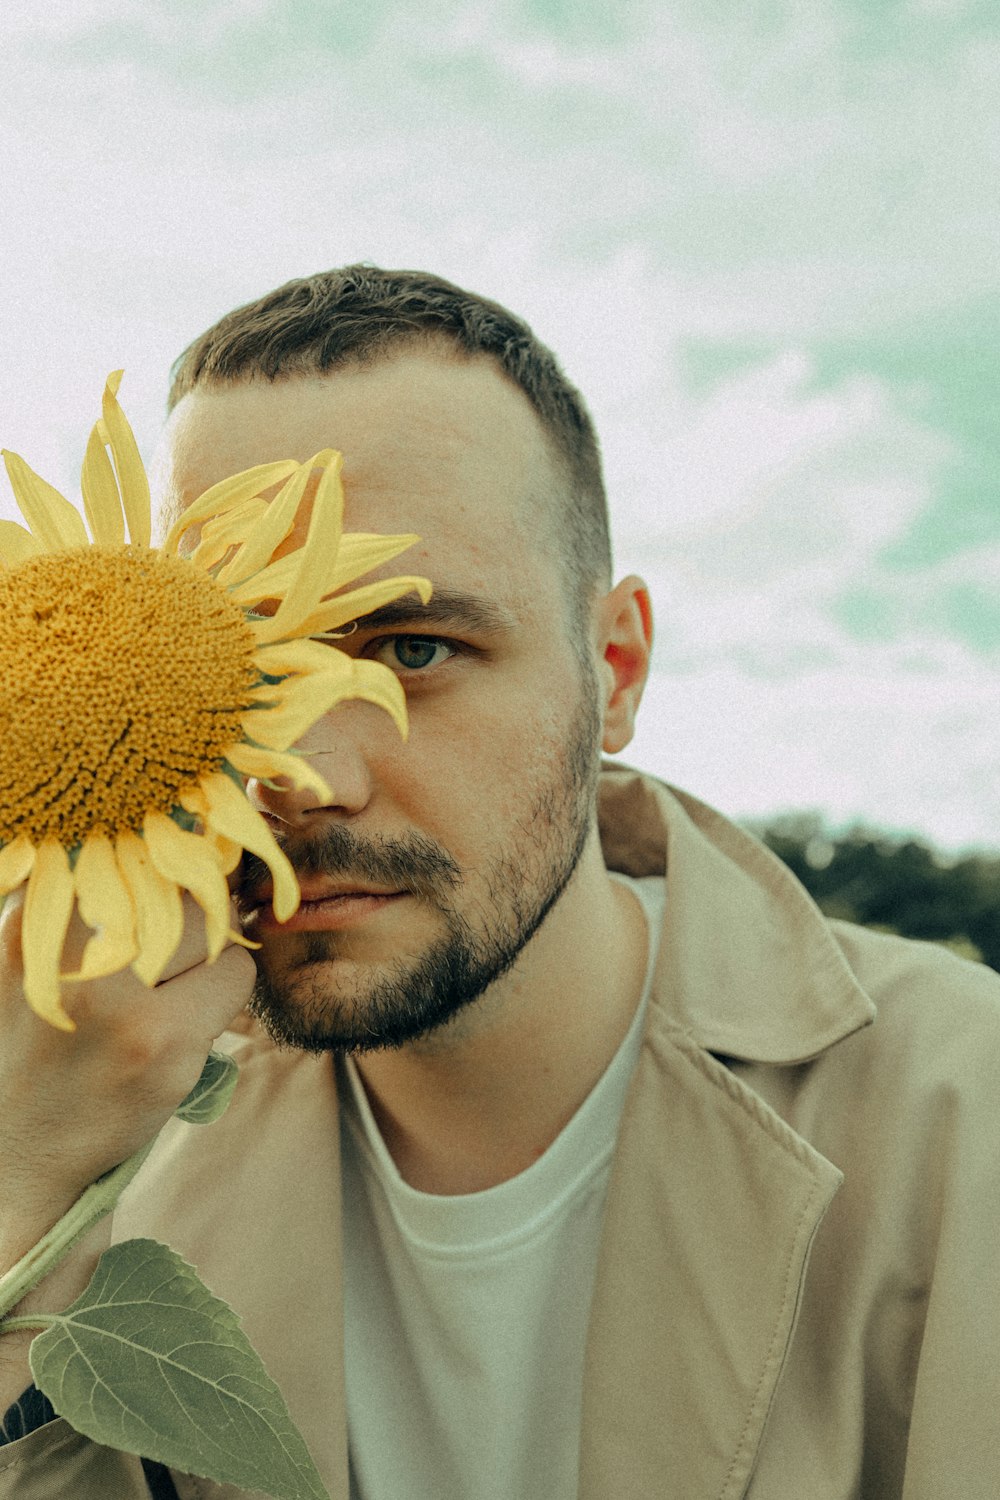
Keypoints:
pixel 88 999
pixel 211 995
pixel 192 949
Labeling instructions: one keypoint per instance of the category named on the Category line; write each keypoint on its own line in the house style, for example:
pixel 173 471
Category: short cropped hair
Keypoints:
pixel 360 314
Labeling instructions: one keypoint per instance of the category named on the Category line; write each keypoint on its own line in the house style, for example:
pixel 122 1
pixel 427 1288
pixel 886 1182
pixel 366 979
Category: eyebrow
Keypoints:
pixel 450 607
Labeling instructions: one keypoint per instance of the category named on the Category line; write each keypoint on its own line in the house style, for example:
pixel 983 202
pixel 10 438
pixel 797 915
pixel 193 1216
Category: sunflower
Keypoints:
pixel 143 684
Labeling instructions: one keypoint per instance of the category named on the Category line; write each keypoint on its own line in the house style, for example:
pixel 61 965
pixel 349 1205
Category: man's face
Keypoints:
pixel 468 832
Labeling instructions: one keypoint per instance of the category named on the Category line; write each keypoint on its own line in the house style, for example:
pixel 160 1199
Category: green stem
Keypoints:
pixel 96 1201
pixel 206 1102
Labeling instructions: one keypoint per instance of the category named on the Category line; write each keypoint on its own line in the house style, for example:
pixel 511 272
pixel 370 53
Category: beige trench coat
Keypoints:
pixel 798 1295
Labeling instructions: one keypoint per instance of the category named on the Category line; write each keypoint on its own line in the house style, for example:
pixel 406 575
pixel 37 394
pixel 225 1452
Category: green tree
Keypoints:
pixel 898 885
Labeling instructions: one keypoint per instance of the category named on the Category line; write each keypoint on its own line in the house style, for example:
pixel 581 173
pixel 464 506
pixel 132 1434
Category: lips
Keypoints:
pixel 327 908
pixel 320 890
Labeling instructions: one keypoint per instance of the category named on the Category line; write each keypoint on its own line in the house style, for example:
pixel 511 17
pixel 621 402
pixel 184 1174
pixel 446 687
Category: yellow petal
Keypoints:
pixel 101 499
pixel 287 709
pixel 337 664
pixel 207 554
pixel 237 522
pixel 226 495
pixel 251 760
pixel 105 904
pixel 228 850
pixel 230 814
pixel 47 910
pixel 299 701
pixel 159 915
pixel 293 656
pixel 320 547
pixel 16 862
pixel 351 606
pixel 222 533
pixel 270 583
pixel 17 545
pixel 359 552
pixel 52 519
pixel 189 861
pixel 378 684
pixel 132 479
pixel 270 531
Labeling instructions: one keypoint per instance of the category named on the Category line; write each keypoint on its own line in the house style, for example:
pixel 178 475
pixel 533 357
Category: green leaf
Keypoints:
pixel 148 1361
pixel 211 1094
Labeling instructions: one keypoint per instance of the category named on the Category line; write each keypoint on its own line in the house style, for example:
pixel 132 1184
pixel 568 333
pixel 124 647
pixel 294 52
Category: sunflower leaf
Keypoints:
pixel 209 1099
pixel 148 1361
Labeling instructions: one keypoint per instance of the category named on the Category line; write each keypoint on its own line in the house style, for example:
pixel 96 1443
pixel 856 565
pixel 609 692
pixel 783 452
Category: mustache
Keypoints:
pixel 412 864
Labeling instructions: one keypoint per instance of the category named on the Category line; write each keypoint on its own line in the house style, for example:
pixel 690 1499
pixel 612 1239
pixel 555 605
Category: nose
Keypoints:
pixel 336 754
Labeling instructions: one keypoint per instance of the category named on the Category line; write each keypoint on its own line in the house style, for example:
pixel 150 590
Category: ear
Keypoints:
pixel 625 644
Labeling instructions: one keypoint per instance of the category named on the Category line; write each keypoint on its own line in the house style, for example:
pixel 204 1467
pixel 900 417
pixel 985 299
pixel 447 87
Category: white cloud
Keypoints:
pixel 23 18
pixel 870 740
pixel 957 598
pixel 751 511
pixel 652 176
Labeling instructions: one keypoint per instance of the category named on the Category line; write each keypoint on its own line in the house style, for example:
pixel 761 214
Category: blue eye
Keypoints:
pixel 413 652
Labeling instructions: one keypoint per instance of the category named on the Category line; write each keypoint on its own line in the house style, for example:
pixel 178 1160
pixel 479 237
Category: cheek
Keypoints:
pixel 468 780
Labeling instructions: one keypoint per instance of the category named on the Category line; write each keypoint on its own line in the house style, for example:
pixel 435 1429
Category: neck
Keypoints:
pixel 478 1102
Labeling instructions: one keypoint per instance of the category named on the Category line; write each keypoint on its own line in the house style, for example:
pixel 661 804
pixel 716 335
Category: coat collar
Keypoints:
pixel 748 966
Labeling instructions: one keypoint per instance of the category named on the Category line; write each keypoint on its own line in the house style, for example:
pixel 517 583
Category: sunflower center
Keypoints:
pixel 124 674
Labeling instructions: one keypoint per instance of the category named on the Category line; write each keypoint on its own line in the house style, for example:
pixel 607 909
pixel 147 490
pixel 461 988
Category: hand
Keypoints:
pixel 75 1104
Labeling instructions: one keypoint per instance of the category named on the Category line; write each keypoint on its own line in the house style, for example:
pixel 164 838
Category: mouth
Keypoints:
pixel 325 905
pixel 313 891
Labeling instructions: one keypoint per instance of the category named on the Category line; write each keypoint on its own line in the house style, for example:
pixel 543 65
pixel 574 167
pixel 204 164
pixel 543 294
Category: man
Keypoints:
pixel 574 1152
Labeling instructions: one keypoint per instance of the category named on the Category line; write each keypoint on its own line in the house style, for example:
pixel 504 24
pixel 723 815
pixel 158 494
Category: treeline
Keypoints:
pixel 903 886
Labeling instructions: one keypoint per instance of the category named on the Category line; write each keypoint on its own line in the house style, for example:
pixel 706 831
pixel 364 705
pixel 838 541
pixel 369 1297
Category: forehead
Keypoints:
pixel 445 447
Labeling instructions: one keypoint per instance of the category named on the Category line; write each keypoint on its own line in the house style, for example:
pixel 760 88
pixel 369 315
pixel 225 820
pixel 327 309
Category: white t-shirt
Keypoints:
pixel 466 1316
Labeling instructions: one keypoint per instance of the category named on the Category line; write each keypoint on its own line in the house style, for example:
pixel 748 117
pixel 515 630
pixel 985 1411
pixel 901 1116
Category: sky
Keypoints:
pixel 761 237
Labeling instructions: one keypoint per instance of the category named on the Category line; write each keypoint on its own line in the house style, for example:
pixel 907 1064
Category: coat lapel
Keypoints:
pixel 714 1200
pixel 706 1239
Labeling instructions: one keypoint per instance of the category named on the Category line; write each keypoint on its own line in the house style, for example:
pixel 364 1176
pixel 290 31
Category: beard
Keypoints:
pixel 305 1005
